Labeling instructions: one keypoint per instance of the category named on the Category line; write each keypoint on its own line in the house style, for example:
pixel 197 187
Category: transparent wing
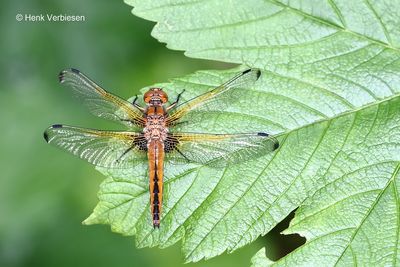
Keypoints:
pixel 217 149
pixel 100 102
pixel 101 148
pixel 218 98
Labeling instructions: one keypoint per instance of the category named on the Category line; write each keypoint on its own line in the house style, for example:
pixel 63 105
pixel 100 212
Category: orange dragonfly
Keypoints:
pixel 151 131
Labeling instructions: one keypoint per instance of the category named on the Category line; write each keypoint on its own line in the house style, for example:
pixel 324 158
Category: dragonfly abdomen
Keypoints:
pixel 156 171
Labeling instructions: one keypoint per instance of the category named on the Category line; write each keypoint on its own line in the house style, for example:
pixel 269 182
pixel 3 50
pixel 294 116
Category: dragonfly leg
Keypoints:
pixel 174 123
pixel 123 154
pixel 137 105
pixel 134 100
pixel 183 155
pixel 176 101
pixel 134 122
pixel 180 122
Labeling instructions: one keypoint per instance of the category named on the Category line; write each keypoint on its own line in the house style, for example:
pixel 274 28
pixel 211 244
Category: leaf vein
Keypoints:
pixel 369 211
pixel 287 188
pixel 385 31
pixel 208 196
pixel 322 89
pixel 228 25
pixel 235 203
pixel 337 11
pixel 328 23
pixel 396 200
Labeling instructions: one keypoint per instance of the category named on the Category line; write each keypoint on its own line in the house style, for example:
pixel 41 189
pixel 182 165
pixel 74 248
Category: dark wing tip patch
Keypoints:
pixel 276 145
pixel 46 133
pixel 63 72
pixel 246 71
pixel 257 72
pixel 75 71
pixel 61 76
pixel 46 136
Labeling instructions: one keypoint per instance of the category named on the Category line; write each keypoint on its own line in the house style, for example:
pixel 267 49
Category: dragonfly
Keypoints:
pixel 153 131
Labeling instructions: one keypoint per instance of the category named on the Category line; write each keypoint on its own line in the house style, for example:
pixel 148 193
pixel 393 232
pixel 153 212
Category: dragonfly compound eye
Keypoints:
pixel 155 94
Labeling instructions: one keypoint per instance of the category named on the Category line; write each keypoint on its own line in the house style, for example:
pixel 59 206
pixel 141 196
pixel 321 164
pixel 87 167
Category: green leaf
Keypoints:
pixel 329 91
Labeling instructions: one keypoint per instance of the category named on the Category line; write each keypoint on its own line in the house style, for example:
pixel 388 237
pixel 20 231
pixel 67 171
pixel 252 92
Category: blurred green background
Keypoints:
pixel 45 193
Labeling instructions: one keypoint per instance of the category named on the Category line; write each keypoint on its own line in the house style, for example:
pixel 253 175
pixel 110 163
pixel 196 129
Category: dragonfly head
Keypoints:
pixel 155 95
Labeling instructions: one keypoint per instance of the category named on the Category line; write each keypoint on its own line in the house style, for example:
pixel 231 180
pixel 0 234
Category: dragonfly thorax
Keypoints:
pixel 155 128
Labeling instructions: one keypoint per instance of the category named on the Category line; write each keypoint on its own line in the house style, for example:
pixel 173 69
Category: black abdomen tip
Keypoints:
pixel 258 73
pixel 262 134
pixel 156 220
